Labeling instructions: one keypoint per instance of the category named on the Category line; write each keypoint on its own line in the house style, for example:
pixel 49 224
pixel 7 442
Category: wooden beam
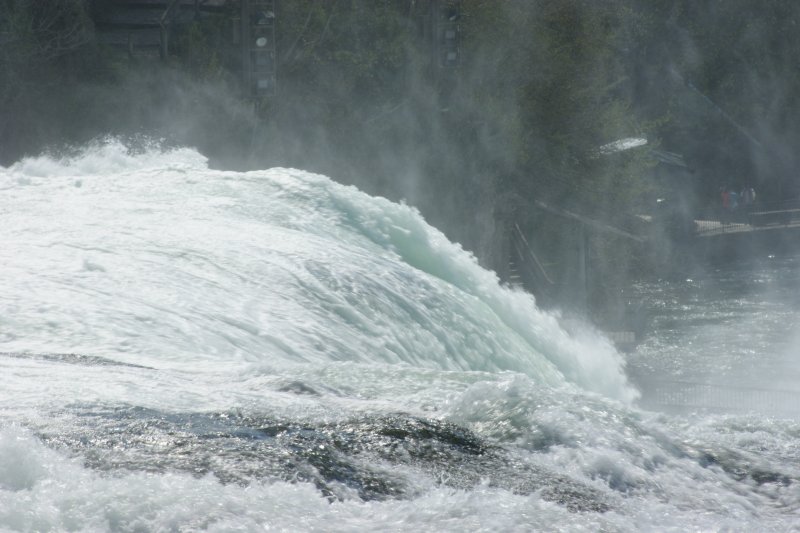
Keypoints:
pixel 594 224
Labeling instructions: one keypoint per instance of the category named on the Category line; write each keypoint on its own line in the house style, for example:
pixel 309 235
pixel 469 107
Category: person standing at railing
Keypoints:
pixel 726 205
pixel 747 196
pixel 733 200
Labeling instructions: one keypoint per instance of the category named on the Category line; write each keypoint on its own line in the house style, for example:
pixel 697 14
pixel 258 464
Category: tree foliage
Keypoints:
pixel 541 88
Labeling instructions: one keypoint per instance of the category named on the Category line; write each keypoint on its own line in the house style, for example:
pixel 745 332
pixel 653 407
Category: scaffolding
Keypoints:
pixel 259 70
pixel 447 33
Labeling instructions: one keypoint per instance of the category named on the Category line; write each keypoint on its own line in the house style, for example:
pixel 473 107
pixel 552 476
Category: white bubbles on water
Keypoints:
pixel 147 283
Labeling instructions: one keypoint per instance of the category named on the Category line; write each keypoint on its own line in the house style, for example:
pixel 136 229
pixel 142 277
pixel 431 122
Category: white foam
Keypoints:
pixel 157 256
pixel 106 156
pixel 282 294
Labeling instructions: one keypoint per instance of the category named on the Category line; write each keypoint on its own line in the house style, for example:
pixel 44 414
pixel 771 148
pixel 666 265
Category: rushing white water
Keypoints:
pixel 190 348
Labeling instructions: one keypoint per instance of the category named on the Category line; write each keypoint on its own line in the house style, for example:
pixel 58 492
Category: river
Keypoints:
pixel 729 332
pixel 189 349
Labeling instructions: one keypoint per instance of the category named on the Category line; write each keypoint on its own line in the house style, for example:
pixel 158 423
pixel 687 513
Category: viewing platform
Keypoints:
pixel 761 228
pixel 768 217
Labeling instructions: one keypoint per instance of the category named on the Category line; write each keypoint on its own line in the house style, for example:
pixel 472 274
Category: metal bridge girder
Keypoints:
pixel 259 69
pixel 447 33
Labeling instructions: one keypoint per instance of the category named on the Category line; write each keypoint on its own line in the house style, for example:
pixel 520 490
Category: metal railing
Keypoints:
pixel 747 218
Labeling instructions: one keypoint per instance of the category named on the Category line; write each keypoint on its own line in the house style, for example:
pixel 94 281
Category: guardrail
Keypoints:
pixel 746 218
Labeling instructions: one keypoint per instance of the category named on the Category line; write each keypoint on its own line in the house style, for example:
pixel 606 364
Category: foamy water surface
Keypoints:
pixel 186 348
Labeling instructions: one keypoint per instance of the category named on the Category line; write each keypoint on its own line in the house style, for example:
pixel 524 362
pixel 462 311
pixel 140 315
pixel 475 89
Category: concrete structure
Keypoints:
pixel 145 27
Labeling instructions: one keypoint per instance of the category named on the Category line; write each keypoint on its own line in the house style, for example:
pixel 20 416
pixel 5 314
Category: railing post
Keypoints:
pixel 258 47
pixel 164 22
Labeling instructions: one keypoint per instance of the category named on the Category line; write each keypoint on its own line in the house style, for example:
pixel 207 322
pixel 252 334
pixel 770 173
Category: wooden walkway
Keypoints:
pixel 770 217
pixel 711 228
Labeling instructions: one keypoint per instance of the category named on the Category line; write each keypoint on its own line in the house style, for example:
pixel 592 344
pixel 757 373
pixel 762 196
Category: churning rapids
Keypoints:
pixel 189 349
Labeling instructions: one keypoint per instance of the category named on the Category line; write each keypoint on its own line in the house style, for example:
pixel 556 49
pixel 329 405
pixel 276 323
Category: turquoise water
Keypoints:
pixel 190 348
